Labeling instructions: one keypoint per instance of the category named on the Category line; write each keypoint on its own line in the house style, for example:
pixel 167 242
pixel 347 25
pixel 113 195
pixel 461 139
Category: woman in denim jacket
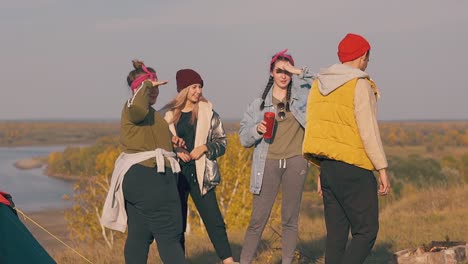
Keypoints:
pixel 279 159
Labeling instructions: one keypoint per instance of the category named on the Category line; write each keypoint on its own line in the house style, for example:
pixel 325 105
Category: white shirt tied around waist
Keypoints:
pixel 114 215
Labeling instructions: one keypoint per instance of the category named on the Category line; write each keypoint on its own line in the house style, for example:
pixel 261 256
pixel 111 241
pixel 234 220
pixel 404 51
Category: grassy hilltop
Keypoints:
pixel 428 170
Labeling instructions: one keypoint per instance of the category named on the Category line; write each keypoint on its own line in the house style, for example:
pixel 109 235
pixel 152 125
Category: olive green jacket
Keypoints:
pixel 142 128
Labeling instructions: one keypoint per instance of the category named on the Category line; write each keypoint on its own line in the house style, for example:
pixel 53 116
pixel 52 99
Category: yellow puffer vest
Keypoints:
pixel 331 130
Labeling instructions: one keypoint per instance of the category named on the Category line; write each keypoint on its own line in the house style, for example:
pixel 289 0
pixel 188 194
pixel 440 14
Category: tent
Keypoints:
pixel 17 244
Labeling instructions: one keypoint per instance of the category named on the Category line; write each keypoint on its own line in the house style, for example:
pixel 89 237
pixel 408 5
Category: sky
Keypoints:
pixel 68 59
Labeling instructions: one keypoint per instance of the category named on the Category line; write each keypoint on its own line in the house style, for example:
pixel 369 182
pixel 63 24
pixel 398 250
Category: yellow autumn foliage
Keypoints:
pixel 233 193
pixel 234 196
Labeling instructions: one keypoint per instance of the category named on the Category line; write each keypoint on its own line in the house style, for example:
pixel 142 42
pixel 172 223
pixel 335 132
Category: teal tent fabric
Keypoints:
pixel 17 244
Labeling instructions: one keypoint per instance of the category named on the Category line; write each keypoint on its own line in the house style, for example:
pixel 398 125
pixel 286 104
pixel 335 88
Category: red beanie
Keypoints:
pixel 187 77
pixel 352 47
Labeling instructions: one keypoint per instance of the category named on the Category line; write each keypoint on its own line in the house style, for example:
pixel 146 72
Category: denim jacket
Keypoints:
pixel 249 136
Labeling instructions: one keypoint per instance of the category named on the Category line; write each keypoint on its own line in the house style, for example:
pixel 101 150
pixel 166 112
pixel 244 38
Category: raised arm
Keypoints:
pixel 139 104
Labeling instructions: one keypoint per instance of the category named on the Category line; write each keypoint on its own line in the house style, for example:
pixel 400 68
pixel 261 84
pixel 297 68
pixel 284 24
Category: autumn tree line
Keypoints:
pixel 421 133
pixel 29 133
pixel 440 160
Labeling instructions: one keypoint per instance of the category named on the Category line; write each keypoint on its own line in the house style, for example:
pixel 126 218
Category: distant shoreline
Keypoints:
pixel 41 162
pixel 64 177
pixel 30 163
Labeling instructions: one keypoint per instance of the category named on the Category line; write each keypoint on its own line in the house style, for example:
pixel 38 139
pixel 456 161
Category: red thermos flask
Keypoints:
pixel 269 118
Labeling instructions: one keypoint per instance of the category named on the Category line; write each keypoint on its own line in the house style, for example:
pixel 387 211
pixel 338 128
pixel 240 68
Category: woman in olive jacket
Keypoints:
pixel 143 190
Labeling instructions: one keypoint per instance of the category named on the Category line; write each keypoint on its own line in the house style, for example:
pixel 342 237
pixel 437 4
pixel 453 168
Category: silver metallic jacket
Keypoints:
pixel 216 144
pixel 210 132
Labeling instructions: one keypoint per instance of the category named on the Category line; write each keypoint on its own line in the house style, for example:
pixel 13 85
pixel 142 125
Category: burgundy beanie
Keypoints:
pixel 186 77
pixel 352 47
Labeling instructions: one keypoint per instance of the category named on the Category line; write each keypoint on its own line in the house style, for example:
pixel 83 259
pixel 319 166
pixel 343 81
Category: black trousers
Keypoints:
pixel 350 201
pixel 208 209
pixel 153 209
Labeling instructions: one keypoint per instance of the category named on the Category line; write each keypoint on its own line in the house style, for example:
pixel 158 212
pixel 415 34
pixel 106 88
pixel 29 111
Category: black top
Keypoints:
pixel 186 131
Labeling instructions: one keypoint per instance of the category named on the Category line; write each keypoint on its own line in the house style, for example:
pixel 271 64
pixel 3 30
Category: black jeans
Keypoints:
pixel 350 201
pixel 153 210
pixel 208 209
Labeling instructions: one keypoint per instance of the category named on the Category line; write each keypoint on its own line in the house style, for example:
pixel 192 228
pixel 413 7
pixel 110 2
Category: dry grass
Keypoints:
pixel 431 214
pixel 405 151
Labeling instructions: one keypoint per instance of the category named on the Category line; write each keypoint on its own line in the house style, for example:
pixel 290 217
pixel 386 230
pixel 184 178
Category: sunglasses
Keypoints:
pixel 281 110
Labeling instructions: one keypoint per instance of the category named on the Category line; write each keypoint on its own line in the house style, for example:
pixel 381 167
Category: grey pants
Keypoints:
pixel 291 174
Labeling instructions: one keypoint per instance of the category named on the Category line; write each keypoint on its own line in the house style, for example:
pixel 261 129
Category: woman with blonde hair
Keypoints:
pixel 191 117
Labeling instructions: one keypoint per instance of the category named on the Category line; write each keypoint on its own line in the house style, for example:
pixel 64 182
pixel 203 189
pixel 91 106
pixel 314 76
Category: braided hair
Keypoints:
pixel 270 84
pixel 288 96
pixel 265 92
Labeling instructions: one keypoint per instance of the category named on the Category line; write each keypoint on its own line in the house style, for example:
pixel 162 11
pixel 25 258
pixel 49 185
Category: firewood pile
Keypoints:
pixel 436 246
pixel 436 252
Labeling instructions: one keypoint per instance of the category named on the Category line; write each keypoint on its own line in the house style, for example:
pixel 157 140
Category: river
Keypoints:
pixel 31 189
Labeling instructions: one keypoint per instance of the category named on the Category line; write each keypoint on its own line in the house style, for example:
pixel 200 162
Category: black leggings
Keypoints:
pixel 153 209
pixel 208 209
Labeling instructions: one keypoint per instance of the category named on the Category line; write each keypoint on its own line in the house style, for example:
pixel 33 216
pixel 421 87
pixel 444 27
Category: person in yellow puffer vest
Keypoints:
pixel 342 138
